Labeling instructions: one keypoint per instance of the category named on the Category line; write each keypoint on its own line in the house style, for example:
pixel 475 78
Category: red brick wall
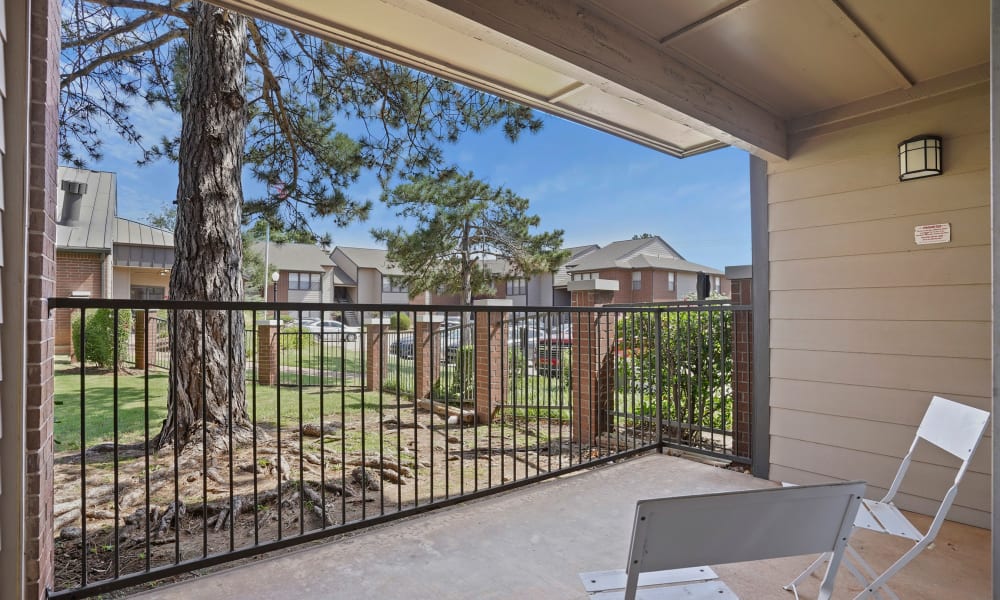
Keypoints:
pixel 43 140
pixel 75 272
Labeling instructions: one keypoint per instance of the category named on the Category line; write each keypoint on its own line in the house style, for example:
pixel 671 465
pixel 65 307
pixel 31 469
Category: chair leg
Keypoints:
pixel 878 584
pixel 814 567
pixel 631 582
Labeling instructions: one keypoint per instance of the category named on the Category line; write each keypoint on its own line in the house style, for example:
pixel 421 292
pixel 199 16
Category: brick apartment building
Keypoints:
pixel 100 255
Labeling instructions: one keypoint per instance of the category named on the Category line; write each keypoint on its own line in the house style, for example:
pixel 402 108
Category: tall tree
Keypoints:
pixel 461 224
pixel 249 93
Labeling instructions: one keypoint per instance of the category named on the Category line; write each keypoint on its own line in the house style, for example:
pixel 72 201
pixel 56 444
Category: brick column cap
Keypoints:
pixel 739 272
pixel 493 302
pixel 429 318
pixel 377 321
pixel 593 285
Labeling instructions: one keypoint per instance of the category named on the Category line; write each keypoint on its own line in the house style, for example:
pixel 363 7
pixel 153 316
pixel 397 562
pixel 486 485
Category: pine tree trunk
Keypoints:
pixel 207 351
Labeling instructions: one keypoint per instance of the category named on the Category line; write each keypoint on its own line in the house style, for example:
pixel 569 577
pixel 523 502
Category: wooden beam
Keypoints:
pixel 692 27
pixel 607 51
pixel 879 54
pixel 849 113
pixel 566 92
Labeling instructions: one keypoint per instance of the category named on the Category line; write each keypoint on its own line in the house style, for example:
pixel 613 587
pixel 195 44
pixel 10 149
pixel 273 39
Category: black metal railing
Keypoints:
pixel 308 429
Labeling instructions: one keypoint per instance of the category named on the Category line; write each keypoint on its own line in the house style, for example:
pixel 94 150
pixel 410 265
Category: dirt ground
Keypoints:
pixel 309 483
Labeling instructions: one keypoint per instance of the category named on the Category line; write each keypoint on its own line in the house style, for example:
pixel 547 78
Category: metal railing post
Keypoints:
pixel 659 381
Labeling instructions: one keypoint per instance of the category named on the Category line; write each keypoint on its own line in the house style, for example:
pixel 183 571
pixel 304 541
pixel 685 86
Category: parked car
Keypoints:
pixel 449 343
pixel 331 329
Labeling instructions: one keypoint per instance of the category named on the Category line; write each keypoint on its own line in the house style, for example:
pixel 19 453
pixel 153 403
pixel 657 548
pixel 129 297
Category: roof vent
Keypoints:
pixel 74 187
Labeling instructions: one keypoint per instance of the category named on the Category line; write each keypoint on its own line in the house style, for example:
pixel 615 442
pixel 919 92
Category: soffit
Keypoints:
pixel 430 38
pixel 676 75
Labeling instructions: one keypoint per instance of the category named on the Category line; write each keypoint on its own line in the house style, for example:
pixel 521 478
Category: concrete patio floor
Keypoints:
pixel 532 542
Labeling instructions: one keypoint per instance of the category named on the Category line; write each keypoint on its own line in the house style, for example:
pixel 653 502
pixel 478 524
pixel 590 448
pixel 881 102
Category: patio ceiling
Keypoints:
pixel 681 76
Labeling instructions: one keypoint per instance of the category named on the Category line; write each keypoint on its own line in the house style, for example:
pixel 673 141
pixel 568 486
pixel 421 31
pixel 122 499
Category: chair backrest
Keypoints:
pixel 953 427
pixel 690 531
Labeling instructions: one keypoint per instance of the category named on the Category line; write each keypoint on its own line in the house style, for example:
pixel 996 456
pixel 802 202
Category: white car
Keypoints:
pixel 331 329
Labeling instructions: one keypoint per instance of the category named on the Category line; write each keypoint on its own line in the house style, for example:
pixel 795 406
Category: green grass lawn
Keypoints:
pixel 338 404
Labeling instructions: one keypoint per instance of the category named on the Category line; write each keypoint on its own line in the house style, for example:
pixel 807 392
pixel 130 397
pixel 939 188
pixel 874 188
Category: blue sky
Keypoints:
pixel 595 187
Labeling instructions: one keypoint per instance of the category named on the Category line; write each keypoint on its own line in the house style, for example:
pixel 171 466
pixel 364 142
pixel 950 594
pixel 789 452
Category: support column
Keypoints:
pixel 267 352
pixel 591 366
pixel 145 329
pixel 376 349
pixel 741 280
pixel 491 358
pixel 426 368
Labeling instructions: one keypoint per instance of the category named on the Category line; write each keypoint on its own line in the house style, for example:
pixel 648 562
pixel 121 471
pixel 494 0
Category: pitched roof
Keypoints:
pixel 646 261
pixel 132 233
pixel 606 257
pixel 370 258
pixel 645 253
pixel 561 276
pixel 85 209
pixel 296 257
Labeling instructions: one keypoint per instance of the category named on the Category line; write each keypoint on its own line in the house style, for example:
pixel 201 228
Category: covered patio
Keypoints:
pixel 857 321
pixel 532 543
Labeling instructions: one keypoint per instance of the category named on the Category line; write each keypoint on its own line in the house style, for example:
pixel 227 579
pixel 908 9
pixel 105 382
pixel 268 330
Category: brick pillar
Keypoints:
pixel 267 352
pixel 41 50
pixel 742 367
pixel 376 348
pixel 140 340
pixel 592 366
pixel 426 369
pixel 491 358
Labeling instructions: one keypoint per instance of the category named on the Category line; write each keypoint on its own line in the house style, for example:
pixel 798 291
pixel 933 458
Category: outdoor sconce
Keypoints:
pixel 920 156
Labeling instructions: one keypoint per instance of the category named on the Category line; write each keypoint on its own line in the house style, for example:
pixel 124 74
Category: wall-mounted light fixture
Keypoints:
pixel 920 156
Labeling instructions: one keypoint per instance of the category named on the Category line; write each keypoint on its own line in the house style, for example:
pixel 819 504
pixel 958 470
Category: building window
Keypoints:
pixel 305 281
pixel 717 285
pixel 671 282
pixel 517 287
pixel 141 292
pixel 584 276
pixel 393 285
pixel 636 280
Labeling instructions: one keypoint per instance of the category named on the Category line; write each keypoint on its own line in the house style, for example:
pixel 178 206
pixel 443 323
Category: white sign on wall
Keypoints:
pixel 932 234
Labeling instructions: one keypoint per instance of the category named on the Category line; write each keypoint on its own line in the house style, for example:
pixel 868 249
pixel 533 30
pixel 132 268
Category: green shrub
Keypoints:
pixel 100 336
pixel 400 321
pixel 461 382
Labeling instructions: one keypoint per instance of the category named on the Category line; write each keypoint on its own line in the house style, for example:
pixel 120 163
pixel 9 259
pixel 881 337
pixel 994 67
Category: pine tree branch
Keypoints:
pixel 275 104
pixel 123 28
pixel 170 10
pixel 112 57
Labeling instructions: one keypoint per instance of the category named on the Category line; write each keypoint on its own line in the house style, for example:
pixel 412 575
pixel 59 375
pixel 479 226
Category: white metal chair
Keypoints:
pixel 672 538
pixel 953 427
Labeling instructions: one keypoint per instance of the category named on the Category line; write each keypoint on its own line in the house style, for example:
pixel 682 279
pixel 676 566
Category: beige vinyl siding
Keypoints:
pixel 865 324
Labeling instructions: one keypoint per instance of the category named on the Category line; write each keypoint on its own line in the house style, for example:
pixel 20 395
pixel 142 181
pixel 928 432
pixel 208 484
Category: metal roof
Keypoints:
pixel 370 258
pixel 296 257
pixel 85 215
pixel 132 233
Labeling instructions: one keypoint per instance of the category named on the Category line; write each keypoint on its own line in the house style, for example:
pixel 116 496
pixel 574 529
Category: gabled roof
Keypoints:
pixel 85 209
pixel 296 257
pixel 645 253
pixel 131 233
pixel 608 256
pixel 561 277
pixel 645 261
pixel 370 258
